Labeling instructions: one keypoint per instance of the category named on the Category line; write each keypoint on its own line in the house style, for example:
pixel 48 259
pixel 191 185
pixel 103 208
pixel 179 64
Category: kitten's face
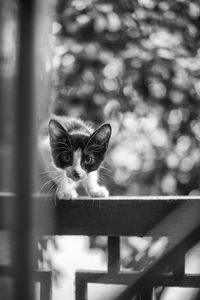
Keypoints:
pixel 78 154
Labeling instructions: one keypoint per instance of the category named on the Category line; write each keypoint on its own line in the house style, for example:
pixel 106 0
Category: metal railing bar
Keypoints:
pixel 81 292
pixel 178 267
pixel 46 289
pixel 186 236
pixel 113 254
pixel 126 278
pixel 146 293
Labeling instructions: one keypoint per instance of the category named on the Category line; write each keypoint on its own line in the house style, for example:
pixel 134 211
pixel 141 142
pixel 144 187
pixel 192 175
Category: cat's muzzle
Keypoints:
pixel 76 175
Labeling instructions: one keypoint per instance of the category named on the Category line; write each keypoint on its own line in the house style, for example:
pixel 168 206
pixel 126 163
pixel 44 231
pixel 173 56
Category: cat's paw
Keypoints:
pixel 66 194
pixel 101 191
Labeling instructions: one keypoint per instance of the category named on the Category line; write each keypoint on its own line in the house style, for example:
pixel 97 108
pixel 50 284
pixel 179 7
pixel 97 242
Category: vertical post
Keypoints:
pixel 146 294
pixel 23 258
pixel 179 263
pixel 45 289
pixel 81 288
pixel 113 254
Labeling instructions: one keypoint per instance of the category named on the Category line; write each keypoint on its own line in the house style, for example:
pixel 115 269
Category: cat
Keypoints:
pixel 72 152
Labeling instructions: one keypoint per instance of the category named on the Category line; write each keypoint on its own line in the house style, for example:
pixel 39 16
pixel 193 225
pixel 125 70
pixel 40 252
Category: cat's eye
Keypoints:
pixel 65 157
pixel 89 160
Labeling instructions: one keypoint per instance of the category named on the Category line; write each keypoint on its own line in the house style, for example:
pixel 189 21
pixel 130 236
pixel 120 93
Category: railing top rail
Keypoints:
pixel 114 216
pixel 120 197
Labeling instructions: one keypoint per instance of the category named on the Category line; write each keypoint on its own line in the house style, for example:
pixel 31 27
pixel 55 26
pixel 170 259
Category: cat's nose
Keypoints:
pixel 76 174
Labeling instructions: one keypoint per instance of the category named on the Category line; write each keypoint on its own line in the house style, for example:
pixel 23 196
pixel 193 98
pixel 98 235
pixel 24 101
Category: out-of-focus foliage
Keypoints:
pixel 135 64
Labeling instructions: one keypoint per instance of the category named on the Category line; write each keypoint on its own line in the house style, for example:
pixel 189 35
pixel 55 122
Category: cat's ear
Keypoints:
pixel 56 131
pixel 101 136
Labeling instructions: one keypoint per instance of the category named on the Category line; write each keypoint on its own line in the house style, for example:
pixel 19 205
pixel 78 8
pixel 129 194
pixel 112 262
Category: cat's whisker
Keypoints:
pixel 60 148
pixel 106 169
pixel 108 175
pixel 61 153
pixel 106 162
pixel 45 184
pixel 95 146
pixel 51 180
pixel 54 184
pixel 55 195
pixel 65 134
pixel 67 138
pixel 48 171
pixel 68 135
pixel 96 151
pixel 58 187
pixel 63 143
pixel 100 178
pixel 55 143
pixel 45 176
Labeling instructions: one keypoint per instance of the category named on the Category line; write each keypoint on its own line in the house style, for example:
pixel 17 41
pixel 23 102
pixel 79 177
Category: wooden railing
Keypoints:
pixel 177 218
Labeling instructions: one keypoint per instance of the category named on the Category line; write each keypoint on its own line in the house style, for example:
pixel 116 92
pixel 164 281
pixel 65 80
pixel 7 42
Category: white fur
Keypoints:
pixel 93 188
pixel 66 186
pixel 76 166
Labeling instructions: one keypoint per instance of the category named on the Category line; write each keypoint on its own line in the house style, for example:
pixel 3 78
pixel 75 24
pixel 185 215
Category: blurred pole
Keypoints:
pixel 23 252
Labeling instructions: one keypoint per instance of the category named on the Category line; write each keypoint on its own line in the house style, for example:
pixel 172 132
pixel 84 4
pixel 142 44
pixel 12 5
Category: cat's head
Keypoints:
pixel 78 154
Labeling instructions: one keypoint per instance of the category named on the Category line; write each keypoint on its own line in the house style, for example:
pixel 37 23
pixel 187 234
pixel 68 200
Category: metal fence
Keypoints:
pixel 178 218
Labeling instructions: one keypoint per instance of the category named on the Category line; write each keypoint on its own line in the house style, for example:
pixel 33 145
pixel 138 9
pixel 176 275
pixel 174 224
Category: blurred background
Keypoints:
pixel 135 64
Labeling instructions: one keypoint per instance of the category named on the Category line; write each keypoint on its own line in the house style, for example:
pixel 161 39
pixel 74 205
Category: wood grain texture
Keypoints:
pixel 125 216
pixel 115 216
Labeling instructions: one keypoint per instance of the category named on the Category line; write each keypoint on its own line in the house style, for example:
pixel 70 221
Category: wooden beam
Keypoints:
pixel 114 216
pixel 122 216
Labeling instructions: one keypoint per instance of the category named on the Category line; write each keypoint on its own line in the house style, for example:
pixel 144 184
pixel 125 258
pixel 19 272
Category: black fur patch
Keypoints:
pixel 64 143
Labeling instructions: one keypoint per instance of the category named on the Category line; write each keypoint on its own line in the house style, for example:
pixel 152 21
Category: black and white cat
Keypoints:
pixel 72 153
